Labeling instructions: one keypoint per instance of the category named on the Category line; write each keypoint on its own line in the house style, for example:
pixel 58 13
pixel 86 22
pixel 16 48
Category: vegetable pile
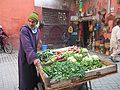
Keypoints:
pixel 65 70
pixel 68 64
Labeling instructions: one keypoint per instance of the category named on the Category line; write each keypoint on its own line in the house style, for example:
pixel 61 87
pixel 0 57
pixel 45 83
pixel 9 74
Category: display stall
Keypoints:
pixel 83 68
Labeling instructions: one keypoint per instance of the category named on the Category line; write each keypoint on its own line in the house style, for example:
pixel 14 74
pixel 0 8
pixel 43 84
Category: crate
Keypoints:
pixel 109 69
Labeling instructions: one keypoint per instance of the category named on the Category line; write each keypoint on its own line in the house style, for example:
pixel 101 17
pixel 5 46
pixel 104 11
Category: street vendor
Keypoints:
pixel 27 59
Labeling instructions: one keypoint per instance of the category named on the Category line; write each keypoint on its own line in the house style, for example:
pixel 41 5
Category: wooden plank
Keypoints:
pixel 44 76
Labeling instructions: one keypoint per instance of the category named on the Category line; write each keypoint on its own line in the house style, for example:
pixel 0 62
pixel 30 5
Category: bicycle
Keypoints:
pixel 6 46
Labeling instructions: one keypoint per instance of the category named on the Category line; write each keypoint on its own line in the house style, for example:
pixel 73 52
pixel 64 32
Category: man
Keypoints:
pixel 115 41
pixel 1 34
pixel 27 58
pixel 65 39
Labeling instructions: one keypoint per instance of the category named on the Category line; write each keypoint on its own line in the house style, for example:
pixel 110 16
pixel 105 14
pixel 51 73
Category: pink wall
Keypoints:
pixel 13 14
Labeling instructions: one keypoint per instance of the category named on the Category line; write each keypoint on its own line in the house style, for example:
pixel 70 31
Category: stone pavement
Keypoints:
pixel 111 82
pixel 8 71
pixel 9 74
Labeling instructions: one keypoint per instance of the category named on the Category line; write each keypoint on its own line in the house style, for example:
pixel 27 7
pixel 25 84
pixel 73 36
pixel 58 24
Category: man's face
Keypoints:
pixel 32 23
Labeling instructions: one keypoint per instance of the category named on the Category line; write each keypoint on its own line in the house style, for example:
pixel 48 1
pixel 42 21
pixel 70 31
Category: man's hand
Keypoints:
pixel 36 62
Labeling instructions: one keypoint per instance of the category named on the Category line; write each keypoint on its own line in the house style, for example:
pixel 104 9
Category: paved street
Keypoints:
pixel 9 74
pixel 8 71
pixel 111 82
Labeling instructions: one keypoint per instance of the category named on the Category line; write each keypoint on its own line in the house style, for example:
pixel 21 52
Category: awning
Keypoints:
pixel 89 18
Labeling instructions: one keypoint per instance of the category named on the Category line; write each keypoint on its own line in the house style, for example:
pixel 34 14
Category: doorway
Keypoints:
pixel 86 33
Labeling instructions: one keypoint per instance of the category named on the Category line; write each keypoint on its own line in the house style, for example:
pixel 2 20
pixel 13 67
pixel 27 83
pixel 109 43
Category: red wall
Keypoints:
pixel 116 6
pixel 98 5
pixel 13 14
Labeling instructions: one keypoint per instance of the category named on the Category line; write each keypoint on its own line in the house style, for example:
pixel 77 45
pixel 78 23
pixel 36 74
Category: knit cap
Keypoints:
pixel 34 16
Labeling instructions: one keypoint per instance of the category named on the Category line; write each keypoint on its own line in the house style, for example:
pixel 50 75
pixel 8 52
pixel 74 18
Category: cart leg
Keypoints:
pixel 90 85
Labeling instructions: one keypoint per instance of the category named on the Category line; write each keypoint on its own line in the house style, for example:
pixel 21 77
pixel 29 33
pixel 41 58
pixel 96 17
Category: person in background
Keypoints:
pixel 27 58
pixel 115 41
pixel 65 38
pixel 2 35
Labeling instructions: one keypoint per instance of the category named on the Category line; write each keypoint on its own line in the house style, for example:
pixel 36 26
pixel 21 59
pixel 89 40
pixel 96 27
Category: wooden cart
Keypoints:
pixel 110 68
